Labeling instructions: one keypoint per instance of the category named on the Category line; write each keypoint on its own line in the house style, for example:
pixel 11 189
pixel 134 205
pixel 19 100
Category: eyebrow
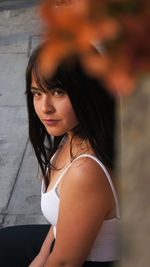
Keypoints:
pixel 34 88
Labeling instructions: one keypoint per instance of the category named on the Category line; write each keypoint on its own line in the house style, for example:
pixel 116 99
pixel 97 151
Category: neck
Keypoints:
pixel 77 145
pixel 70 136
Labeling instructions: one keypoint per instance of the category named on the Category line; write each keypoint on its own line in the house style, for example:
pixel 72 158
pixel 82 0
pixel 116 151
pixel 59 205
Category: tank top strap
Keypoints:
pixel 61 176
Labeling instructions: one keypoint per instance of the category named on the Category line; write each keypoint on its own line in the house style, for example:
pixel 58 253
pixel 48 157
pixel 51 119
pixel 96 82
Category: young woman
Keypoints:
pixel 71 127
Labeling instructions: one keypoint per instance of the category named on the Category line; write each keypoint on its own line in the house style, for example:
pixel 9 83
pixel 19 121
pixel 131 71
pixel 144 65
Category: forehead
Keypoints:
pixel 44 85
pixel 48 82
pixel 35 84
pixel 33 81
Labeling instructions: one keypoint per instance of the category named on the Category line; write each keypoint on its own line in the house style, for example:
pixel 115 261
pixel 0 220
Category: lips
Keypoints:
pixel 50 122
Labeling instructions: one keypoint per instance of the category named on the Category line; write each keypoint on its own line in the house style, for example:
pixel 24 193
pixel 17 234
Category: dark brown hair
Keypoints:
pixel 93 105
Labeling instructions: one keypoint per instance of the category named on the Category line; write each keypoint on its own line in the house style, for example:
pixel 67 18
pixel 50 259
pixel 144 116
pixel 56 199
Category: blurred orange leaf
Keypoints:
pixel 122 26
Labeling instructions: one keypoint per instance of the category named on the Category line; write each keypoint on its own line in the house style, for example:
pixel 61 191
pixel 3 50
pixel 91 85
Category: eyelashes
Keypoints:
pixel 54 92
pixel 35 93
pixel 58 92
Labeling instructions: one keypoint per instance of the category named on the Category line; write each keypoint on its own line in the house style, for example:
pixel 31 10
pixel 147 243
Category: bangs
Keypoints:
pixel 46 83
pixel 66 76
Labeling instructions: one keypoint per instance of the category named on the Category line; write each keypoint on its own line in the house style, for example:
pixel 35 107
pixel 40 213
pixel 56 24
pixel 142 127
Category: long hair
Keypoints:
pixel 93 105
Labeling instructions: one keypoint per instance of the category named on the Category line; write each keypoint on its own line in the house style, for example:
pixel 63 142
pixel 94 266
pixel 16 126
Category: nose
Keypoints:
pixel 47 105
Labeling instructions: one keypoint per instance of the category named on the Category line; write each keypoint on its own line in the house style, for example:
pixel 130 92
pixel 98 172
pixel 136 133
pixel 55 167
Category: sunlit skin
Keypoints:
pixel 54 109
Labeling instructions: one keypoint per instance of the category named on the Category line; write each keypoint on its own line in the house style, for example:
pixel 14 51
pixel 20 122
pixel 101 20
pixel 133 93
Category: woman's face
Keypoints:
pixel 54 109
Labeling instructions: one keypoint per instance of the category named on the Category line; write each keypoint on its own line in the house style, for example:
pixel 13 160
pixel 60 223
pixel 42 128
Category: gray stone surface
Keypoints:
pixel 12 81
pixel 13 139
pixel 24 205
pixel 19 186
pixel 17 4
pixel 16 28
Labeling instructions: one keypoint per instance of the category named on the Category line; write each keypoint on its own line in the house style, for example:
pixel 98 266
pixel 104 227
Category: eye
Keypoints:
pixel 58 92
pixel 35 93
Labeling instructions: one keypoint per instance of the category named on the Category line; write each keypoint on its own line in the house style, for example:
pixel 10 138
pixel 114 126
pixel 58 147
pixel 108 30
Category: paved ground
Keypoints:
pixel 19 185
pixel 17 4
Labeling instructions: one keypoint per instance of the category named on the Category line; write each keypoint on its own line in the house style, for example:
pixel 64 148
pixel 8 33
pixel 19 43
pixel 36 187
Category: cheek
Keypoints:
pixel 69 114
pixel 73 118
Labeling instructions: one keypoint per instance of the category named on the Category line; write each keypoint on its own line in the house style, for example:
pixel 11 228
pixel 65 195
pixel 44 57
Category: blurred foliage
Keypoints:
pixel 122 27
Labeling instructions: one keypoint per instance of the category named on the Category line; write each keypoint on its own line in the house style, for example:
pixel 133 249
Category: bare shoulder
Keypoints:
pixel 86 172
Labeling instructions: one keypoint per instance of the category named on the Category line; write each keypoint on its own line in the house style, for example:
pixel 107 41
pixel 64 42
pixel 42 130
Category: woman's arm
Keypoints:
pixel 85 201
pixel 45 249
pixel 41 258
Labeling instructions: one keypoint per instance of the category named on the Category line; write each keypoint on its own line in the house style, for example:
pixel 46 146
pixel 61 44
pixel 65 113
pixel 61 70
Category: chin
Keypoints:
pixel 56 133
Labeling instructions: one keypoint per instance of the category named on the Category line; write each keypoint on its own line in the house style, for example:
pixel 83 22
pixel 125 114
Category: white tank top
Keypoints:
pixel 106 246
